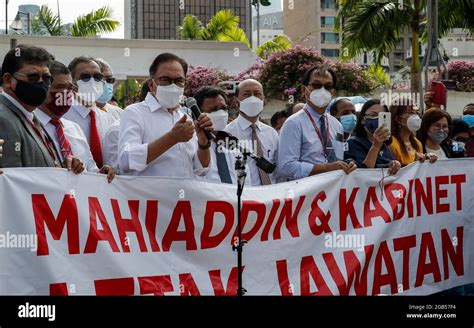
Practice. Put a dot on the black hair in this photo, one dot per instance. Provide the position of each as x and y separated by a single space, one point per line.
144 91
459 126
25 54
277 116
57 68
165 58
333 108
321 69
209 92
360 128
79 60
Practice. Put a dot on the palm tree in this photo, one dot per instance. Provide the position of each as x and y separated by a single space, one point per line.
223 26
377 26
94 23
279 43
91 24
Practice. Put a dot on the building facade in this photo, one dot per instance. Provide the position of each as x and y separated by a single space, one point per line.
158 19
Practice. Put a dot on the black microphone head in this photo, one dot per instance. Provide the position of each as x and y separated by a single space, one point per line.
190 102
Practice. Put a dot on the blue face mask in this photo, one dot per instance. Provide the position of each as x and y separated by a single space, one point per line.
348 122
107 95
371 124
469 119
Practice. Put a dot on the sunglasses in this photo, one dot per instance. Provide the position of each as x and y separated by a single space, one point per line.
327 86
86 77
35 77
110 80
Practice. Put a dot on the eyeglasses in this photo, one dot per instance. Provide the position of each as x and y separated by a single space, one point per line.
317 85
110 80
166 80
35 77
86 77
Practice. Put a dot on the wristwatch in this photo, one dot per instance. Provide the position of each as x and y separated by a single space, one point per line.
204 147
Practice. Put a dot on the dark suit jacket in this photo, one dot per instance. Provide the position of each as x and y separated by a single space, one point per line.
22 147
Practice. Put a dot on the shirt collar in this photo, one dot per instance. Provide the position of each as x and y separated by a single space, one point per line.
152 102
28 115
82 110
244 124
42 117
312 112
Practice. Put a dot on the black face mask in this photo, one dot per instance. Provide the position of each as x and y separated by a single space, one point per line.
33 94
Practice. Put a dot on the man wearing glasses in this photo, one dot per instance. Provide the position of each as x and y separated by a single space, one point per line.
311 141
89 83
156 138
103 101
27 81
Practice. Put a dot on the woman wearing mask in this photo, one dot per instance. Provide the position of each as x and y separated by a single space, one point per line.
368 145
405 146
434 132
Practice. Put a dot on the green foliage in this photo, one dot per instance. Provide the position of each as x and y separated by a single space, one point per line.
94 23
279 43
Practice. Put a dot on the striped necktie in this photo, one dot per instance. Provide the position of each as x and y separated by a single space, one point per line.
63 141
264 177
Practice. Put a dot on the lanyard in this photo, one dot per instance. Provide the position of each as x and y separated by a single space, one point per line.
318 132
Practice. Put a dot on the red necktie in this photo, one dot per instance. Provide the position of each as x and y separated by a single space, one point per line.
63 142
96 148
36 125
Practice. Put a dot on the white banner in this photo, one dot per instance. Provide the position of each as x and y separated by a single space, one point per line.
333 234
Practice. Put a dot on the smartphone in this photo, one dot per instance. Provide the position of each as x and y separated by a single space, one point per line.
385 119
440 91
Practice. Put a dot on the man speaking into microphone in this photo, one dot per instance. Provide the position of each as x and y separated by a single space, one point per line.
156 138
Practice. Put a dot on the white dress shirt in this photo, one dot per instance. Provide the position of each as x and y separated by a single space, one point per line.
300 146
28 115
80 115
111 146
241 128
143 123
213 173
114 111
77 139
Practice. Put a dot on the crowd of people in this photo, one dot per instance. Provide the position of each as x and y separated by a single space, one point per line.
53 115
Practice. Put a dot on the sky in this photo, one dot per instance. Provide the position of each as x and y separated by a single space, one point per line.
69 10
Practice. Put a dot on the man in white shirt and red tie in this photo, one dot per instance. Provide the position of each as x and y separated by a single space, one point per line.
94 123
254 135
67 136
156 138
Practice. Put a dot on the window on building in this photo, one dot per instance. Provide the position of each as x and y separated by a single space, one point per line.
327 21
329 37
330 52
328 4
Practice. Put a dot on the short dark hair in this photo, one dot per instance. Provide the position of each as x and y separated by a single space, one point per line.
165 58
321 69
209 92
277 116
79 60
25 54
459 126
360 128
333 106
58 68
144 91
431 116
464 110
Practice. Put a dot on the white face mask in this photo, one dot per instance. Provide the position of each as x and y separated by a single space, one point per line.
251 106
89 91
168 96
320 97
219 119
414 123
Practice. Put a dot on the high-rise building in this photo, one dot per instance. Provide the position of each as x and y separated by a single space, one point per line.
271 26
158 19
311 23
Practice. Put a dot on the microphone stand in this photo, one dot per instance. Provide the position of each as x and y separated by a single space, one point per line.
238 246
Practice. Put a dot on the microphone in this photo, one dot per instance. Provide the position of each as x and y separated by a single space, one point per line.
231 142
191 103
